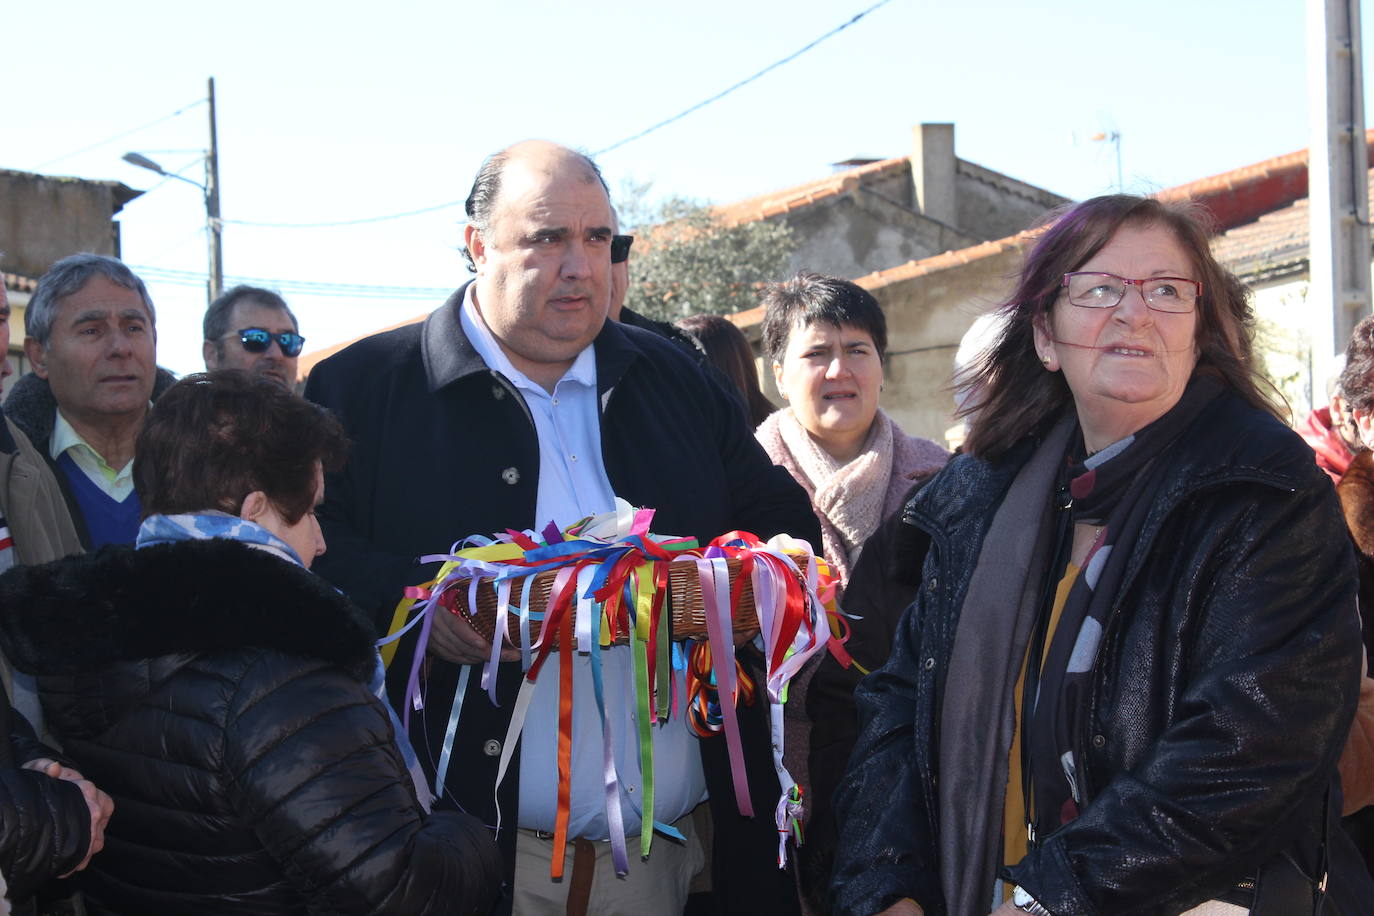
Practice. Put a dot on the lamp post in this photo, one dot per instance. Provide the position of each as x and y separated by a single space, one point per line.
213 224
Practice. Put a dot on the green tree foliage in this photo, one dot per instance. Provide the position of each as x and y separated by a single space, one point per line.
687 261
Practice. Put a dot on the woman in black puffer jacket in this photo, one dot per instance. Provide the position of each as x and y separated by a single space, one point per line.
220 693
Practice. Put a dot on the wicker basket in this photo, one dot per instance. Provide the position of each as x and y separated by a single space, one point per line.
688 619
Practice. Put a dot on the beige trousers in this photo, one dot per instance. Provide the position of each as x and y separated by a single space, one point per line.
659 885
1216 908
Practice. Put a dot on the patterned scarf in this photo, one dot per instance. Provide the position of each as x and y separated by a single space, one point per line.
169 529
1114 489
848 496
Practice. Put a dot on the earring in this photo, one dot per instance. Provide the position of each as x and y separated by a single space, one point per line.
1045 360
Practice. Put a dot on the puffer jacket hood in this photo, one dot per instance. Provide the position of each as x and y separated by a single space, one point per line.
139 615
122 604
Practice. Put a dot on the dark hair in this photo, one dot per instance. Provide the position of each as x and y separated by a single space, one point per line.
215 437
1013 394
728 350
486 187
808 298
1357 378
216 323
68 277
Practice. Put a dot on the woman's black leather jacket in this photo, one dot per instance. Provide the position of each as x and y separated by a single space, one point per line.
1223 689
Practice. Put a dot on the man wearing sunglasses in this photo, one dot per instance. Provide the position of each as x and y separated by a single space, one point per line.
252 329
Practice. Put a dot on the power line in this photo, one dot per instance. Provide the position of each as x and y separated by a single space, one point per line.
619 143
304 287
86 149
744 82
344 222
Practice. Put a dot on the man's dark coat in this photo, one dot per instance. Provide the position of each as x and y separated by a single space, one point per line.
444 447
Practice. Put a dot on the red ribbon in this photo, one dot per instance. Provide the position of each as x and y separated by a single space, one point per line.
565 701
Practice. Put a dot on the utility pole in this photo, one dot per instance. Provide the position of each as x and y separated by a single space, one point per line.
214 225
1338 166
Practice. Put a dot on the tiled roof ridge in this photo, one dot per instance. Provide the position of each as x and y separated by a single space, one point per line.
772 203
1198 190
993 178
1287 169
1232 179
912 269
945 260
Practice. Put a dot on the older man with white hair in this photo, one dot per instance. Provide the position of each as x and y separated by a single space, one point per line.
90 335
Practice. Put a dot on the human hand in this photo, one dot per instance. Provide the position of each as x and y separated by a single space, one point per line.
904 907
1005 909
54 769
453 638
100 806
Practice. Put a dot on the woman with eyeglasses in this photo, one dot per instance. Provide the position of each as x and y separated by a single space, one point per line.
1134 655
222 694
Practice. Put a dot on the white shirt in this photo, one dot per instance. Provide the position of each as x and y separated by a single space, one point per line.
573 485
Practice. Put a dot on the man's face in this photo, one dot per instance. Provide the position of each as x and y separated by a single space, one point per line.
543 265
101 355
228 352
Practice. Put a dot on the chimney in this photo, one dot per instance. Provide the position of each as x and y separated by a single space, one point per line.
933 172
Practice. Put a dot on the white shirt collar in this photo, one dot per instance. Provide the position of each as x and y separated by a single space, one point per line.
582 371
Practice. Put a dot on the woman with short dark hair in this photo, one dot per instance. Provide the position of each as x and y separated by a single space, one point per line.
220 692
1133 655
826 340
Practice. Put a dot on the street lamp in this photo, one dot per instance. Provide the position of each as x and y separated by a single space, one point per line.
213 223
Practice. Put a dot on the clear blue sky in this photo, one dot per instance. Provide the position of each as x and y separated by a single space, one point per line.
346 110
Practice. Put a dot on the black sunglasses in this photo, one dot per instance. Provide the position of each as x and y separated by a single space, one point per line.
620 248
257 340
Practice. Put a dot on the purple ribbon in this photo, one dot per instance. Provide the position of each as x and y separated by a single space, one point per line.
715 592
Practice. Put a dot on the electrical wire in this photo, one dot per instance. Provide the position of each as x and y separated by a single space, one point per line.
304 287
120 136
344 222
619 143
744 82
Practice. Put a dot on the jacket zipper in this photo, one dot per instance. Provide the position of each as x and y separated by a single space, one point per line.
940 544
1082 765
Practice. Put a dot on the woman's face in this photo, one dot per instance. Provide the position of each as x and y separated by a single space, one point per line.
1127 365
304 536
831 377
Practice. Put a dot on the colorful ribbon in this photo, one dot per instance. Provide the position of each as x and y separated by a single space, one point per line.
611 581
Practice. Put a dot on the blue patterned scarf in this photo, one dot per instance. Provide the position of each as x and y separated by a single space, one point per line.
168 529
